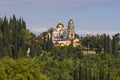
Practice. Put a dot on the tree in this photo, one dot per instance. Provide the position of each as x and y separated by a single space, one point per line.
108 45
115 43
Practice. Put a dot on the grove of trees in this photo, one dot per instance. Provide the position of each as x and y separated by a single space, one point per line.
47 62
46 67
102 43
15 38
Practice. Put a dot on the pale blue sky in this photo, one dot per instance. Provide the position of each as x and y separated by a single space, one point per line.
89 16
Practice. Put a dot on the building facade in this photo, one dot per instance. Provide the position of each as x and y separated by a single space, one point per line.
65 37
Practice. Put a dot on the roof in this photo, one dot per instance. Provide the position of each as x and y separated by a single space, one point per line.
60 25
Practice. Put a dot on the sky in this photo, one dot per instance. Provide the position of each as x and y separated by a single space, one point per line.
89 16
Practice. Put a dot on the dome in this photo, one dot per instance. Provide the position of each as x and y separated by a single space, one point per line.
60 25
70 21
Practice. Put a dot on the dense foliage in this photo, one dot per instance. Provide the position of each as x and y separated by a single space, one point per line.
45 67
47 62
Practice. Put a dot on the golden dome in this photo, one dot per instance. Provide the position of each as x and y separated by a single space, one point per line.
70 21
60 25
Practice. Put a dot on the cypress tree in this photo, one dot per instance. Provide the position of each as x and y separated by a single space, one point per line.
1 35
114 45
108 75
5 31
108 44
75 74
80 72
44 41
23 24
101 75
15 37
90 74
5 37
48 43
51 42
86 71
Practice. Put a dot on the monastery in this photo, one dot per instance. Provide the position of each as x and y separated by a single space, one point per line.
65 37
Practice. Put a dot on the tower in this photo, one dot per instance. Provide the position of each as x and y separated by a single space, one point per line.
71 32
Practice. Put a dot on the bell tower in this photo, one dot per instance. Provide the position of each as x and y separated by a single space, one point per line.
71 32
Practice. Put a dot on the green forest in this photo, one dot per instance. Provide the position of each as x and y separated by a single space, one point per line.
48 62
